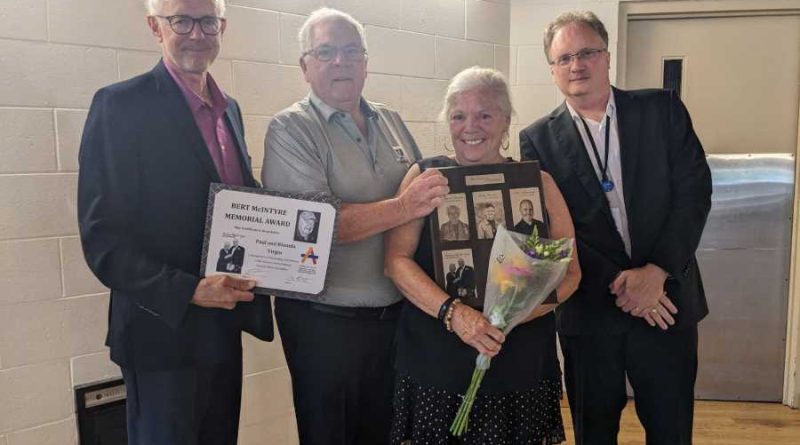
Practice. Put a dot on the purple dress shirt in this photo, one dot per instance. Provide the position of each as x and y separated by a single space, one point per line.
210 120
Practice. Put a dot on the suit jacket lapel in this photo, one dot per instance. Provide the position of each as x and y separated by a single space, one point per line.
629 131
235 126
567 136
177 109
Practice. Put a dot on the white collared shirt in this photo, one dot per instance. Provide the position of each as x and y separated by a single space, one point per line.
616 197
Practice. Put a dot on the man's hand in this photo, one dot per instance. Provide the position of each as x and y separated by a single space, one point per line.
640 292
425 193
475 330
222 291
640 289
661 314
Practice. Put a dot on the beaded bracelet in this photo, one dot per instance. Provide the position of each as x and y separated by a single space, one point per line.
444 307
448 318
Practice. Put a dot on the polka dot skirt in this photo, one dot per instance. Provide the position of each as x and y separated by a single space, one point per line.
423 415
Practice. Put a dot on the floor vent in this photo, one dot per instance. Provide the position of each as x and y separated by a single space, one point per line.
100 410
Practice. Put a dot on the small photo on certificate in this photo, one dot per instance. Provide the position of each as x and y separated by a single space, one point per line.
231 255
307 226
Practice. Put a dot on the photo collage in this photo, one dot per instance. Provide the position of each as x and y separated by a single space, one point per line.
463 228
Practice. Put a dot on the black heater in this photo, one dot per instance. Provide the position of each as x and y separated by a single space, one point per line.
100 409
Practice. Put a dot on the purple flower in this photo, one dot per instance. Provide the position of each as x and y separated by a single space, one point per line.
517 271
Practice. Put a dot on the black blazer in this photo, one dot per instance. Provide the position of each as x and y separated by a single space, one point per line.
143 188
466 278
667 185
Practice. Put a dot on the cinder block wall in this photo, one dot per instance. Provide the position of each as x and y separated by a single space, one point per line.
54 54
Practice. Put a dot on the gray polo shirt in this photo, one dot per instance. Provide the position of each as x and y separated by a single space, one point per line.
312 147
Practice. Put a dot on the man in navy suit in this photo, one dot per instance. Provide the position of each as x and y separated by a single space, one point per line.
635 179
151 147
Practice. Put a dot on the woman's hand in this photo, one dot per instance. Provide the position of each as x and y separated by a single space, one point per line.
475 330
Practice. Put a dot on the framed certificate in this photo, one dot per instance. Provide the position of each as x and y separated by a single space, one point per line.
283 241
481 198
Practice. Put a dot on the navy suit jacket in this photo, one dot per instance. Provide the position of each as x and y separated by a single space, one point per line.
143 188
667 185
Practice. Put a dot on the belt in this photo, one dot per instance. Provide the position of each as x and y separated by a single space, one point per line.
370 313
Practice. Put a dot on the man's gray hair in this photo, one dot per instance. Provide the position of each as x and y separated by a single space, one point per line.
587 18
474 78
154 6
305 215
327 15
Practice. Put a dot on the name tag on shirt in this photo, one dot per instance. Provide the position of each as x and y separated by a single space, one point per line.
400 156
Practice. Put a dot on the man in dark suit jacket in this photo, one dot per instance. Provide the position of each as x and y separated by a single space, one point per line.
450 281
465 282
526 222
638 213
237 257
225 257
151 147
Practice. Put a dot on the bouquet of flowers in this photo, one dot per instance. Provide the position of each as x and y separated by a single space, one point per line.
523 271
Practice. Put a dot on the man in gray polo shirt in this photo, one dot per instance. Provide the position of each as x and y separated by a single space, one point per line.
339 350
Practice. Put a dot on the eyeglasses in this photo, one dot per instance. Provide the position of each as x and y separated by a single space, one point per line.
326 53
582 55
184 24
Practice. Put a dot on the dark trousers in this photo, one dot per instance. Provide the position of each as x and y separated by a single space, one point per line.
661 367
342 374
188 406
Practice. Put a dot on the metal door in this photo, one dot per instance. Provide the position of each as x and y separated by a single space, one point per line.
739 77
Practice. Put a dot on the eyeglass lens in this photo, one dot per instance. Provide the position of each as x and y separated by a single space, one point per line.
183 24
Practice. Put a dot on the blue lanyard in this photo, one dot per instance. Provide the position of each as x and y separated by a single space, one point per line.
605 183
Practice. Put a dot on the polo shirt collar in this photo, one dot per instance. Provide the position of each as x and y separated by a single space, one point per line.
328 111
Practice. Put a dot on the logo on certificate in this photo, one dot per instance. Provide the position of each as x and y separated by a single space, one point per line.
309 255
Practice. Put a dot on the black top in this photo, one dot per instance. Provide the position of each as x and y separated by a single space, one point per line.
437 358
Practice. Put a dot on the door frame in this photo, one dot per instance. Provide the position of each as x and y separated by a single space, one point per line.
649 9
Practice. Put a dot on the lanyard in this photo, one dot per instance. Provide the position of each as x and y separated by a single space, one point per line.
605 183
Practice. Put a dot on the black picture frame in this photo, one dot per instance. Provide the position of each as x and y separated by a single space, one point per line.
483 186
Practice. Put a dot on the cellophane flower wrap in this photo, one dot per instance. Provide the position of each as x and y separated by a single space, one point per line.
523 271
